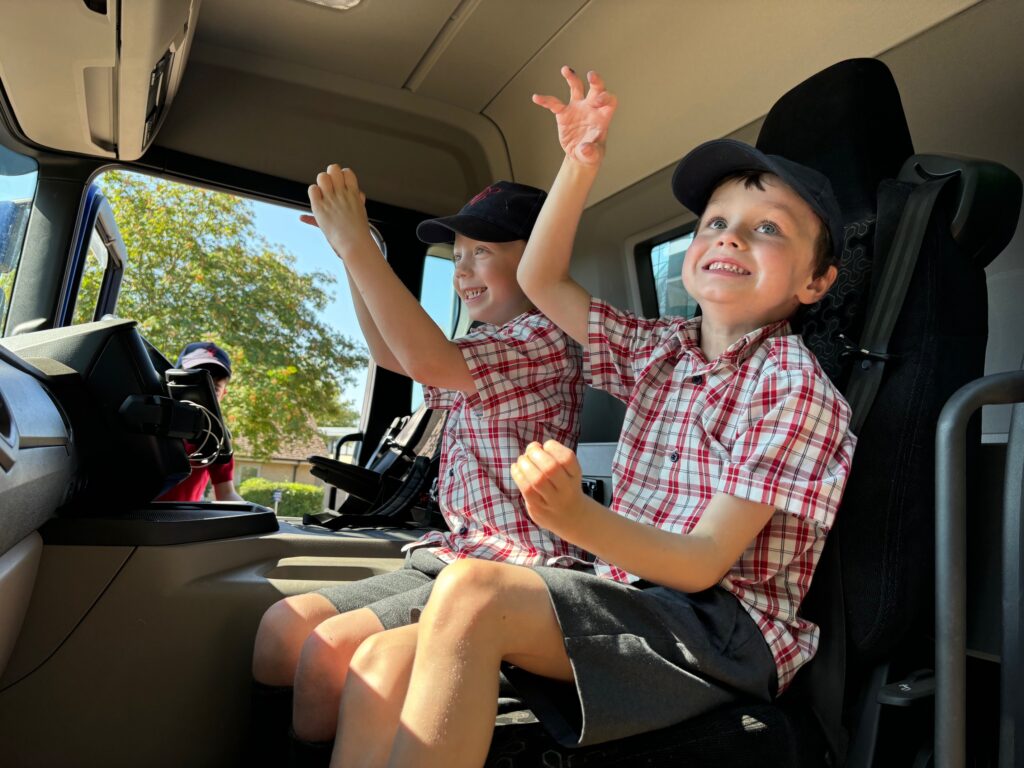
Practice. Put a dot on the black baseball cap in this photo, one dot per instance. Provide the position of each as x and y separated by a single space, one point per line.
204 354
503 212
698 174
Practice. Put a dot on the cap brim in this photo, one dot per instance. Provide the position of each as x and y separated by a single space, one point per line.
443 230
203 362
699 172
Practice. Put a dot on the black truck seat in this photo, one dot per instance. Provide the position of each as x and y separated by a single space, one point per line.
872 589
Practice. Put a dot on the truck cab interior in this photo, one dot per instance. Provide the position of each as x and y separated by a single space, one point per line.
126 628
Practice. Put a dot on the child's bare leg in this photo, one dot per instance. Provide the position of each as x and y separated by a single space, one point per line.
371 701
282 631
479 614
322 668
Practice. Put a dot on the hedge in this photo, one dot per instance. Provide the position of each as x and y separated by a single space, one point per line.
297 499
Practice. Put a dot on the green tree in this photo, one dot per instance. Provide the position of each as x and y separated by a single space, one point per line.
199 271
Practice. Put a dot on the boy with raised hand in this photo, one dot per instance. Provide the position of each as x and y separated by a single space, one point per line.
732 458
513 380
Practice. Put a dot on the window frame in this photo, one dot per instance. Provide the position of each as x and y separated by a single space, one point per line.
15 163
97 215
642 249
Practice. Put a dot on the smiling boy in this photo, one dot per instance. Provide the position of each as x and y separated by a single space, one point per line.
733 455
514 379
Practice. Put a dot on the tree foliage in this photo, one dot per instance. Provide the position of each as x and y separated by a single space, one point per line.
199 271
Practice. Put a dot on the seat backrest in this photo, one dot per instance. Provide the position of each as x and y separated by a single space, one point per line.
848 122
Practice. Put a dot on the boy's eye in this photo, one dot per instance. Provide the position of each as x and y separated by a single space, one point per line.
768 228
716 223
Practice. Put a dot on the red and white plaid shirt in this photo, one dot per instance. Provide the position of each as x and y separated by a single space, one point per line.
529 383
761 422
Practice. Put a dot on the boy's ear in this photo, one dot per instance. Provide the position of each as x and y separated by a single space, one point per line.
819 286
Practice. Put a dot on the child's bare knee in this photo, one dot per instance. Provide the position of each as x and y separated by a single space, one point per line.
282 630
371 657
274 639
327 650
468 591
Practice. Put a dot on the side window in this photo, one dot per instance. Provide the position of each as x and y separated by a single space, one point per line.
96 260
17 188
202 265
102 260
438 299
667 268
659 272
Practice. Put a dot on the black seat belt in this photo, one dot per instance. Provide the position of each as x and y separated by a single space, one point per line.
828 680
887 300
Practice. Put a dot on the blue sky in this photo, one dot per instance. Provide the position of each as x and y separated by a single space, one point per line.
17 187
281 226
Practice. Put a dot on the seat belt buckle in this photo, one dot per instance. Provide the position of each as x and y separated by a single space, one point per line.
852 350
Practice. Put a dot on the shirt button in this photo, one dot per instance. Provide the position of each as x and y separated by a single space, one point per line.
698 379
451 473
463 531
673 457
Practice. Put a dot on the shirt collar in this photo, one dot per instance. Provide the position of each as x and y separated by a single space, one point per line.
738 351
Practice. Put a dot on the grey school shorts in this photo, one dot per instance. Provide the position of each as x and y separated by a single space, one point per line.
643 658
391 596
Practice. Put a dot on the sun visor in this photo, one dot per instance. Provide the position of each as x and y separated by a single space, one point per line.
93 76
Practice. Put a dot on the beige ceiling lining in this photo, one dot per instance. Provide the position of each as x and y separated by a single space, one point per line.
421 158
379 41
437 48
726 73
492 46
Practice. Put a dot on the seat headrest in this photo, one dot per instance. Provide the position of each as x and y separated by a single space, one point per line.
988 201
847 121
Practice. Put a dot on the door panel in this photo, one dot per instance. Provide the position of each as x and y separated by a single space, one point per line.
158 670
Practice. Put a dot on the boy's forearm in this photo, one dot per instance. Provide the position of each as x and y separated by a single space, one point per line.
379 350
687 562
544 270
417 344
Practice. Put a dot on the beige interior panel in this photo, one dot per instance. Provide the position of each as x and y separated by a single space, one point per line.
149 29
489 48
18 567
376 42
70 581
291 123
80 81
164 656
691 71
58 115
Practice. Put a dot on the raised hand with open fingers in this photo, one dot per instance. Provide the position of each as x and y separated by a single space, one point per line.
583 122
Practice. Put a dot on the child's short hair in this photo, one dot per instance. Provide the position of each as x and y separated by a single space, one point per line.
824 254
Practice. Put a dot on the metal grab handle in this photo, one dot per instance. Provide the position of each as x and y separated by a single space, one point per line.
951 561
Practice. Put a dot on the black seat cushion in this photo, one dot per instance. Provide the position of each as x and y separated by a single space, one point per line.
738 736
